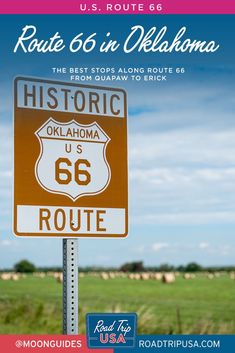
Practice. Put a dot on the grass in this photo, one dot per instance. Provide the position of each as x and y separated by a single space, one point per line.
198 306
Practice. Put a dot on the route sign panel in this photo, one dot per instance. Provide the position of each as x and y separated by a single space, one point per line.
70 160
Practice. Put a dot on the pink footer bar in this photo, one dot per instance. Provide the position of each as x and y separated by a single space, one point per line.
117 7
47 344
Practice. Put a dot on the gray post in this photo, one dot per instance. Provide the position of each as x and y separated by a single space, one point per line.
70 286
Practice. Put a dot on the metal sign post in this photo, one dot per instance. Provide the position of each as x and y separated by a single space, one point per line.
70 286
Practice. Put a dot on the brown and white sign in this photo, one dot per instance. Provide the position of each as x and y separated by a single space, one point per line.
70 160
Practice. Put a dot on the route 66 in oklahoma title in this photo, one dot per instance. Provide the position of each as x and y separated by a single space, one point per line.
70 160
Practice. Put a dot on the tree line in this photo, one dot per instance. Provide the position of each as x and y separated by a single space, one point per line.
25 266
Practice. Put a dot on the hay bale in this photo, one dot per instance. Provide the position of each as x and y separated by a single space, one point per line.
5 276
112 275
232 276
144 276
41 275
104 276
210 276
168 277
187 276
15 277
158 276
59 279
137 276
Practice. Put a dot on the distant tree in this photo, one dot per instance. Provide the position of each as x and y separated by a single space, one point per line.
133 267
24 266
193 267
180 268
166 268
49 269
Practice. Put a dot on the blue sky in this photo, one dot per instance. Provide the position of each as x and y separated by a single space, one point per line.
181 145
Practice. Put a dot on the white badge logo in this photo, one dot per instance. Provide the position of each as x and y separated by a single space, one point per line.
72 159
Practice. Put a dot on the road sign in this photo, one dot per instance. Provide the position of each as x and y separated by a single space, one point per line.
70 148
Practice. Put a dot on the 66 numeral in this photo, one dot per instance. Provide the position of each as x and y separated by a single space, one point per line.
65 174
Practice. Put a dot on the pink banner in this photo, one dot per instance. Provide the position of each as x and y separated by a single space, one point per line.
47 344
118 7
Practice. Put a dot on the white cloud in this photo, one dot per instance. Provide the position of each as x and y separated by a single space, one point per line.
226 250
141 249
6 145
204 245
6 174
159 246
175 106
187 218
182 147
182 177
6 243
187 175
190 248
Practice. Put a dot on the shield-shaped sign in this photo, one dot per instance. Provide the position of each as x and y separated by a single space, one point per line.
72 159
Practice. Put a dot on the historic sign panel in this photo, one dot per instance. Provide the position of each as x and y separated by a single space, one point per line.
70 177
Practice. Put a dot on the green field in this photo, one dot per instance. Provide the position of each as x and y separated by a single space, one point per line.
201 305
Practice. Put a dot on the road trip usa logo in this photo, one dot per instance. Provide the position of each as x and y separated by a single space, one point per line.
111 330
